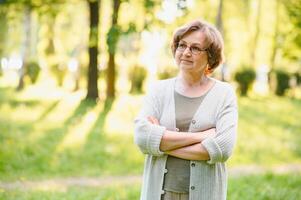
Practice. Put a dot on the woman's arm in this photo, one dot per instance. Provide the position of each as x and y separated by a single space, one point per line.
220 147
172 140
192 152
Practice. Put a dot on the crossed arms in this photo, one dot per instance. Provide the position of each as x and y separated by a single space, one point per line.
183 144
213 145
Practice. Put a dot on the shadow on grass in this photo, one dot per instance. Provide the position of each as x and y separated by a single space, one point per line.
84 106
33 157
101 154
48 111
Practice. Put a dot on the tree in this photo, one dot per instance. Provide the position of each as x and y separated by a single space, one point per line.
275 44
112 40
48 8
293 50
257 33
219 25
93 50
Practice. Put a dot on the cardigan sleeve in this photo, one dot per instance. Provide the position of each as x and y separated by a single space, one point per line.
147 136
221 146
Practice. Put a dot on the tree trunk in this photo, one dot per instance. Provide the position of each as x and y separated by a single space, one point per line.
257 33
219 17
93 50
25 47
113 34
219 25
275 39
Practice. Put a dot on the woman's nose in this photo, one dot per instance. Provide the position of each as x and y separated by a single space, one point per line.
187 52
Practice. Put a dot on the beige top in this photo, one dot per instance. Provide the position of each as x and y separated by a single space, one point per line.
178 170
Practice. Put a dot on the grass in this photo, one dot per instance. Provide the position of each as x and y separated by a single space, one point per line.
62 137
259 187
53 133
79 193
268 131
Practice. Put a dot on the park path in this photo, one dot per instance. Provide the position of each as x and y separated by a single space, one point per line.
108 181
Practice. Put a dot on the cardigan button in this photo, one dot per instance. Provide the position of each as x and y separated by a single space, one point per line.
192 164
165 171
162 192
192 187
193 121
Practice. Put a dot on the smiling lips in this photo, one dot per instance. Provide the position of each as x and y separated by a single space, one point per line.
187 61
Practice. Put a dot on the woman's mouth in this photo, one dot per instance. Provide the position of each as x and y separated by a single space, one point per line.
186 62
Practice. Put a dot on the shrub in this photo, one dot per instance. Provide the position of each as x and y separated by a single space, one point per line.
167 72
137 75
245 78
282 79
59 71
298 77
32 71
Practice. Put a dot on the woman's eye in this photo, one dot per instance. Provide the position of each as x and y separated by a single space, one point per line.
182 46
196 49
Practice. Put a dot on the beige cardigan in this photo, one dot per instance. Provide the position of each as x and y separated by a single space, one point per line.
208 179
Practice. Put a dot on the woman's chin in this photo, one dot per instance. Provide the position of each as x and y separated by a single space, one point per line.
186 67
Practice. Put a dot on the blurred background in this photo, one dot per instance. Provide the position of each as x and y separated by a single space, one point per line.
73 75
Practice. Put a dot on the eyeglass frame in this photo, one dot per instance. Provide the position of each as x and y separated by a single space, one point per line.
190 50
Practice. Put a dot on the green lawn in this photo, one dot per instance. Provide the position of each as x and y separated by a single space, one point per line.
52 133
258 187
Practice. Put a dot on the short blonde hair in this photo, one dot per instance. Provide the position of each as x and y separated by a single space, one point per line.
214 41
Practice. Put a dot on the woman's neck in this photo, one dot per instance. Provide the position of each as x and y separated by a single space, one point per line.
192 80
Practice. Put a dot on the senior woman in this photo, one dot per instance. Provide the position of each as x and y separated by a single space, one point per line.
187 125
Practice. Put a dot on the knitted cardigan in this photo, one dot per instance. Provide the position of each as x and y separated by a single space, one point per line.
208 179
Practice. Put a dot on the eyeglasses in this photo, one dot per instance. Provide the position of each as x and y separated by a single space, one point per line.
193 49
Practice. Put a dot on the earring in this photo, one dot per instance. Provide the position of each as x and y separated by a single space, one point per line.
208 70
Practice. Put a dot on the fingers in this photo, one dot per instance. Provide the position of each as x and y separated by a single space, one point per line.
156 121
153 120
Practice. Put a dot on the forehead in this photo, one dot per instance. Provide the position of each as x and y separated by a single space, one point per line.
195 37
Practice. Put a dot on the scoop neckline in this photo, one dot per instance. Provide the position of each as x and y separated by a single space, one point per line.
215 82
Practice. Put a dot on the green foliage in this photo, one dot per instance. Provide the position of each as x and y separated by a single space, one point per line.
131 29
167 72
32 71
112 38
245 78
59 71
293 8
298 77
3 31
280 81
137 75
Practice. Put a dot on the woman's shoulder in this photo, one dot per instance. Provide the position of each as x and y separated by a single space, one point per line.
224 88
161 85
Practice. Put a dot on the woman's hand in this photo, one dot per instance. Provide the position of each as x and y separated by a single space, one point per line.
153 120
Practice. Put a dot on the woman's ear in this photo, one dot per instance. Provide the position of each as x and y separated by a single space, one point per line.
208 70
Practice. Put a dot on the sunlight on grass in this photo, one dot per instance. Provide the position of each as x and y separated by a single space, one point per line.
60 113
121 116
65 136
267 131
76 136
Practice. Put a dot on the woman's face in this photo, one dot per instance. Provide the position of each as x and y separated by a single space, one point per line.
195 61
